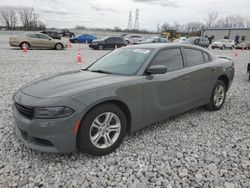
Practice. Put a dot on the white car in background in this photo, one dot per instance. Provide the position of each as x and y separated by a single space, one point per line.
223 44
180 40
131 39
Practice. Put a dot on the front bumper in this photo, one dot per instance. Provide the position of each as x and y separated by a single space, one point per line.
216 46
47 135
93 45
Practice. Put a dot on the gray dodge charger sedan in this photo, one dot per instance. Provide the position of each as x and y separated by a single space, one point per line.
92 109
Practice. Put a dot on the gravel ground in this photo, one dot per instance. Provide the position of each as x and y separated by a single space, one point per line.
196 149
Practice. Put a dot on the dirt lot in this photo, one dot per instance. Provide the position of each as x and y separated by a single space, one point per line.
196 149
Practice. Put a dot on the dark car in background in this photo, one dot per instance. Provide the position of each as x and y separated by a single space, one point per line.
108 42
84 38
155 39
67 33
244 45
52 34
199 41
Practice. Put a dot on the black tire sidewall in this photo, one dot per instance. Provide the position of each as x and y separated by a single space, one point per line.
211 104
27 44
60 45
83 140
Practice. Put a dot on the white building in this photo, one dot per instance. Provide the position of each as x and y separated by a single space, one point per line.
236 34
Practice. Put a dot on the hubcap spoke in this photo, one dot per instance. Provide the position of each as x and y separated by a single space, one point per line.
114 128
97 137
108 118
107 140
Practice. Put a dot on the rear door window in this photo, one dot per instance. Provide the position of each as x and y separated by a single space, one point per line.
33 36
171 58
194 57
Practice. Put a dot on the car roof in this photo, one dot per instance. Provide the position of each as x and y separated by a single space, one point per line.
158 46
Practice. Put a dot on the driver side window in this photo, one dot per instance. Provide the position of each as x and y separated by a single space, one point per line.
171 58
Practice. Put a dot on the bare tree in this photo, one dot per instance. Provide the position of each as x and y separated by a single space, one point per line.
231 21
247 22
9 17
166 27
211 19
28 18
194 27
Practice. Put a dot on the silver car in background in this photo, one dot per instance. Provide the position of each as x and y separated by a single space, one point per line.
133 38
126 90
223 44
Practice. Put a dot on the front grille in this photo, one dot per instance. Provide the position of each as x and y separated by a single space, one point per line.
25 110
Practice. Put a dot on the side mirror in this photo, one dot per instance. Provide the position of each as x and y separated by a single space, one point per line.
157 69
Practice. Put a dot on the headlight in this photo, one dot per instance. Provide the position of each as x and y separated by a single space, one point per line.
52 112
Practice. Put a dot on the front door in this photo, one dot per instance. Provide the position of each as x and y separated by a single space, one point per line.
165 94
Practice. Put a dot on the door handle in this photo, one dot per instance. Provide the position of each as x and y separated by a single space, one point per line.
186 77
213 69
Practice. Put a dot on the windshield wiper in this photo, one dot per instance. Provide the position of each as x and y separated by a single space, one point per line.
101 71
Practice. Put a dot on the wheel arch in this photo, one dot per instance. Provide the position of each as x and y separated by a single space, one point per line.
122 105
225 79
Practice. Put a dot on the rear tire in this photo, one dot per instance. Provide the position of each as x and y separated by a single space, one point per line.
102 130
100 47
218 96
25 44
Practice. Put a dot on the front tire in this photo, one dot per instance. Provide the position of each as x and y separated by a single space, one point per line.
102 130
59 46
218 96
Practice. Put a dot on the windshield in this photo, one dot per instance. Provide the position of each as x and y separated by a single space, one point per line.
126 61
221 40
103 38
190 40
152 39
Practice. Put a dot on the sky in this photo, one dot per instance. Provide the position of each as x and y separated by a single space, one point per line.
111 13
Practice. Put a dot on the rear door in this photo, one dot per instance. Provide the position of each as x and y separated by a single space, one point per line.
166 94
201 76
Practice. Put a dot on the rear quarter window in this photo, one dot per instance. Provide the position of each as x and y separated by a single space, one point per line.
206 57
194 57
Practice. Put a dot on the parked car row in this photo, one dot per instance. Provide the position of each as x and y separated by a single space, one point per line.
51 39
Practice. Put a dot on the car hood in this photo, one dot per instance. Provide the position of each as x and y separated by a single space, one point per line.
70 83
217 42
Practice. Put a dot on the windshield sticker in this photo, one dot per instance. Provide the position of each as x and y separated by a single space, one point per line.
142 51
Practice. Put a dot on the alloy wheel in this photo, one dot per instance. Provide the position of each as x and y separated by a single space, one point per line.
219 95
105 130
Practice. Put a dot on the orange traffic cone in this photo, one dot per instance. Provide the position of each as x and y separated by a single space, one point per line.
69 45
79 58
236 54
